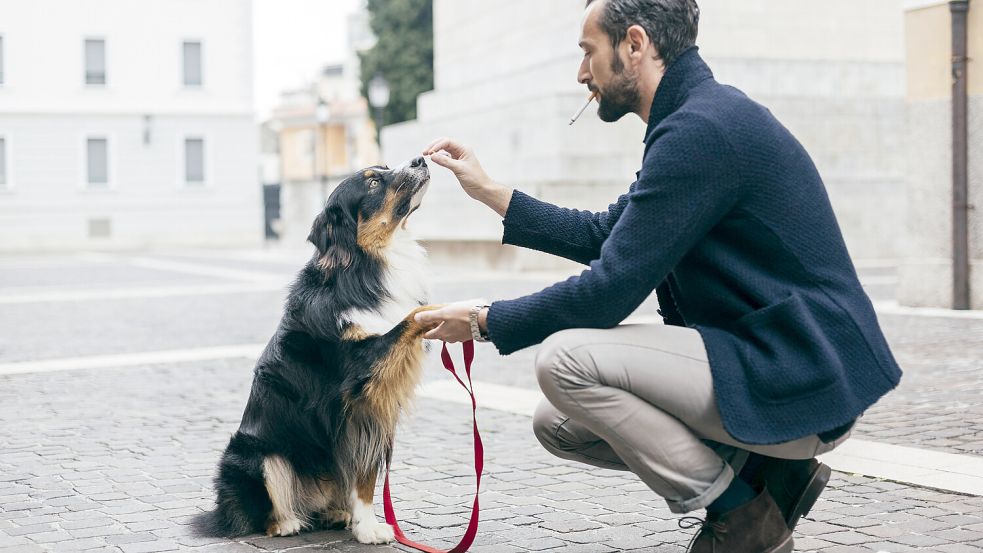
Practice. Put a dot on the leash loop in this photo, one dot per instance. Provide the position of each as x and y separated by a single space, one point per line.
479 461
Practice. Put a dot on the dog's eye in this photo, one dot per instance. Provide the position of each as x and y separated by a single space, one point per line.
374 183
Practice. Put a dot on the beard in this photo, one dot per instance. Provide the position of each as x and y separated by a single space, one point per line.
619 97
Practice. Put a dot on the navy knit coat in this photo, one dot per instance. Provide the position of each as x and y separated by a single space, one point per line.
730 223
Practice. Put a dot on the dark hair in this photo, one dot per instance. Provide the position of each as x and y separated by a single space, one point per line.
671 24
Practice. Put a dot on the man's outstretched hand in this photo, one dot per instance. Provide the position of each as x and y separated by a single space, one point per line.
474 181
452 320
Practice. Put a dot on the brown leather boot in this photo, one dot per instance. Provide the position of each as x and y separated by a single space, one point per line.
795 485
755 527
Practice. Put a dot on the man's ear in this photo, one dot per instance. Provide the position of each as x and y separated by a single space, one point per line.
637 40
334 235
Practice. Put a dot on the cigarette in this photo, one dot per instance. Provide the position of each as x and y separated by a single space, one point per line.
587 103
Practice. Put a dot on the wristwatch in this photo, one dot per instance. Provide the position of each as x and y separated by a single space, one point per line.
476 333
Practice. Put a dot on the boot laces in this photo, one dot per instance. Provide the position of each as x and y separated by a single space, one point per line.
714 529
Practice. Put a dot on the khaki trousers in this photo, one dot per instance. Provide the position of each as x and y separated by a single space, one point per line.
640 398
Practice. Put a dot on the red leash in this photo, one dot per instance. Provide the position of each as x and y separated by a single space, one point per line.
479 461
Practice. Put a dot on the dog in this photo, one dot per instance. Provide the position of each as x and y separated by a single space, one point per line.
328 389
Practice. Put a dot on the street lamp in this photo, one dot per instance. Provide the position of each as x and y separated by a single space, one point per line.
378 99
321 114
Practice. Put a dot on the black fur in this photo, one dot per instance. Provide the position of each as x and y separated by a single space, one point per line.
308 375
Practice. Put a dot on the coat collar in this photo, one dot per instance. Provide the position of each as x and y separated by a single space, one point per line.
686 72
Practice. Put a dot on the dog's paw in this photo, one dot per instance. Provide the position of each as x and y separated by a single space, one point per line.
420 328
336 519
373 532
284 527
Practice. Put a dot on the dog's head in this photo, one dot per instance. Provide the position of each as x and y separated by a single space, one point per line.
366 209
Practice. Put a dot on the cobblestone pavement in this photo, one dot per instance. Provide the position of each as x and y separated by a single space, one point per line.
119 459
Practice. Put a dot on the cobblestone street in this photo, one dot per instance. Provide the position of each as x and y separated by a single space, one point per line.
116 398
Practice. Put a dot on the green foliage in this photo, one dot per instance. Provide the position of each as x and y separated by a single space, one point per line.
403 53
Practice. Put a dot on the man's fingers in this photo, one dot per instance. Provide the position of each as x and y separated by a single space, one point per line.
446 161
446 144
434 333
428 317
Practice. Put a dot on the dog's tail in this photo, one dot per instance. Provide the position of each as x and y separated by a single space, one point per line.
242 505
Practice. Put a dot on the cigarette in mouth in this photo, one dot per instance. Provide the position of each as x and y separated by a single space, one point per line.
581 110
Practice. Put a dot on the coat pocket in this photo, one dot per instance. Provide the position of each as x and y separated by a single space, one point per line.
787 355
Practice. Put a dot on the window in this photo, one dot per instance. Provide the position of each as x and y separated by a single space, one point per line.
3 162
191 52
97 162
95 61
194 161
1 60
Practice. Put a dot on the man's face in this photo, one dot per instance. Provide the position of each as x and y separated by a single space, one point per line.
604 71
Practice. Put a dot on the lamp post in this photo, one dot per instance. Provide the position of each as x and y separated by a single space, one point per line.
378 99
321 114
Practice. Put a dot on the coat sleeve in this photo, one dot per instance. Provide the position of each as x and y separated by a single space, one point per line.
688 183
569 233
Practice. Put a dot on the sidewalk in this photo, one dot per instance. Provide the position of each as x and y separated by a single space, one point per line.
122 377
118 459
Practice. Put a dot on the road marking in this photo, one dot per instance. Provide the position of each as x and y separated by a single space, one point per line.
40 295
207 270
250 351
920 467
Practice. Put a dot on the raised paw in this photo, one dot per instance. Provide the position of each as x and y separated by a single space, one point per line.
418 327
284 527
373 532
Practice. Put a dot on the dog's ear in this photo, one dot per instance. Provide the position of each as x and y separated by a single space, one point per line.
334 235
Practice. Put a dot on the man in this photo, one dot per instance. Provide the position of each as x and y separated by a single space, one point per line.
771 350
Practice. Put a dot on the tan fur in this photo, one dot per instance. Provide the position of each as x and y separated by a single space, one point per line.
366 488
281 484
294 497
375 233
395 376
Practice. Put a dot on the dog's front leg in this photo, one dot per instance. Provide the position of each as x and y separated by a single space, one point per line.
365 527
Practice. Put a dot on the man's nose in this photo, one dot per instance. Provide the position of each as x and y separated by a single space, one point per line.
583 73
418 162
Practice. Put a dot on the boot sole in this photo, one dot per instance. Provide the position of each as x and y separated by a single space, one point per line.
809 496
784 547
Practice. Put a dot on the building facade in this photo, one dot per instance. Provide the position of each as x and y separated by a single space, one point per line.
127 125
926 275
325 132
831 70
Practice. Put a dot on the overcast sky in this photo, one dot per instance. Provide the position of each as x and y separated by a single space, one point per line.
292 40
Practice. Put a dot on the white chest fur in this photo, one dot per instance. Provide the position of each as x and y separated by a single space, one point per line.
407 282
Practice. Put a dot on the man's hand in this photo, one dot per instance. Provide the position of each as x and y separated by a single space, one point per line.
465 166
452 320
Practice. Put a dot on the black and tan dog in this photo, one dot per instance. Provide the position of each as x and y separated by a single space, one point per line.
329 387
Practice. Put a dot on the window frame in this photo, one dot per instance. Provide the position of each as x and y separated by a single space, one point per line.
182 166
110 163
85 62
201 63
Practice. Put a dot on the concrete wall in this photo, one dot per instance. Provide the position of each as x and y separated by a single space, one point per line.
832 71
144 109
926 274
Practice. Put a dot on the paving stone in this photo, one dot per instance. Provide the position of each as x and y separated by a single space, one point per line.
114 456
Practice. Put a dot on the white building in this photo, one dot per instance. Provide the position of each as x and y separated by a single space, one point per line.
505 83
127 124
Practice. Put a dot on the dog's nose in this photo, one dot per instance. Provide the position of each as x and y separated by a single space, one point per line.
418 162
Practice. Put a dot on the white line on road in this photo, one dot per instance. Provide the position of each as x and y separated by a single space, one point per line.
944 471
39 295
931 469
207 270
132 359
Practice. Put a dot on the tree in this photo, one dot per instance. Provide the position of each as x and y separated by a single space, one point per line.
403 53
